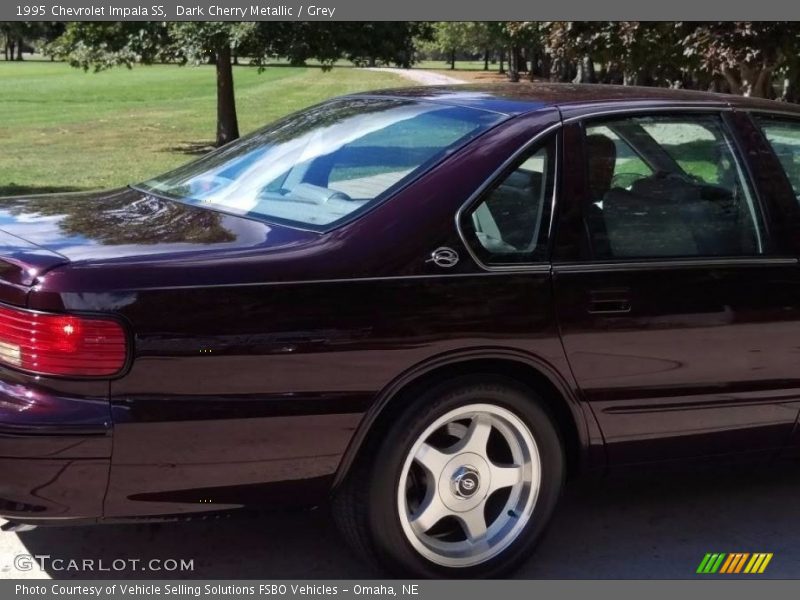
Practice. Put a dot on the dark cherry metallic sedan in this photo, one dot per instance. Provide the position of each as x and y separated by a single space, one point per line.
432 305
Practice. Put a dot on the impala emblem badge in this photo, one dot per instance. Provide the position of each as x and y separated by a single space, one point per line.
444 257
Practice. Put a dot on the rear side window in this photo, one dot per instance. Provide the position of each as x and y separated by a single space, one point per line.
510 223
667 186
784 137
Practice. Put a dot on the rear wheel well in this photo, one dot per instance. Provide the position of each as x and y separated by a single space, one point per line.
518 372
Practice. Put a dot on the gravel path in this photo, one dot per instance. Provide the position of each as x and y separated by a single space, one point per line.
420 76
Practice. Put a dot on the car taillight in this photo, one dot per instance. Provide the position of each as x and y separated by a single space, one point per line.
50 344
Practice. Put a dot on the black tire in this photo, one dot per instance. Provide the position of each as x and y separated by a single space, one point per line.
366 504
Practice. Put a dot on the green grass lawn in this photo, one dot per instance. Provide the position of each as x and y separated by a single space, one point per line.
63 129
461 65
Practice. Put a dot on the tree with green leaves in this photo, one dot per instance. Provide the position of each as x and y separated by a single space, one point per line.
12 34
747 54
100 45
382 42
451 37
16 36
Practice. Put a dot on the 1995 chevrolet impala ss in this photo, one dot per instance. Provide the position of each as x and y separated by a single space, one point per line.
431 305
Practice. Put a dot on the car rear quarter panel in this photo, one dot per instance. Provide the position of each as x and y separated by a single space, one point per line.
274 391
253 380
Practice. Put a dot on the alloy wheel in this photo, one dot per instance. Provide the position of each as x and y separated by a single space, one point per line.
468 485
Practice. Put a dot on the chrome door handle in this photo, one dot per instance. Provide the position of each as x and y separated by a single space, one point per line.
611 301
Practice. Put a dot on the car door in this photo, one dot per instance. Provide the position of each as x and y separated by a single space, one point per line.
678 312
780 151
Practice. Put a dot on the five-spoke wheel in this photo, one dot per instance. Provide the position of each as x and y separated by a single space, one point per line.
469 485
458 482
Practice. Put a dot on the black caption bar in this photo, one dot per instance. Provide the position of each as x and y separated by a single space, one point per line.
408 10
389 589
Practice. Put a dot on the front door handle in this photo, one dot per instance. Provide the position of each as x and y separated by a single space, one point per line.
609 301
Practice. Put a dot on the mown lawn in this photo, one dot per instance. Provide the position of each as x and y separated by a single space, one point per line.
63 129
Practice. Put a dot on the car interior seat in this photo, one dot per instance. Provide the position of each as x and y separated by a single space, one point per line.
511 213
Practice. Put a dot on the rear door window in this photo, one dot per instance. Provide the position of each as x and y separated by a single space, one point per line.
667 186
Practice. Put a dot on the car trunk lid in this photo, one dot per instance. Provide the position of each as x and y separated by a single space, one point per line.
21 262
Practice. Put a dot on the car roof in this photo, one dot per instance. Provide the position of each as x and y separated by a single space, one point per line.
523 97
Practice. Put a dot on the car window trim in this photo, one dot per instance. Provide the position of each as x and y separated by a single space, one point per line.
671 263
779 114
646 110
762 206
477 195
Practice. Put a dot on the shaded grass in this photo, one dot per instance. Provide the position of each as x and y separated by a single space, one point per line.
63 129
32 190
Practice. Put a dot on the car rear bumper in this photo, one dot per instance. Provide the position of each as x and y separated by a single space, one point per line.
55 448
43 489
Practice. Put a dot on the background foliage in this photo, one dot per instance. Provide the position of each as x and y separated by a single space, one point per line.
740 57
65 125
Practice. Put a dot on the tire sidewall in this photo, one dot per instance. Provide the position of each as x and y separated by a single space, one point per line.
390 542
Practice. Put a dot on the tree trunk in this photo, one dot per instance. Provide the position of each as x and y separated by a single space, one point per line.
227 124
452 59
521 64
486 59
539 64
762 88
733 81
513 65
590 70
532 64
502 68
559 69
19 49
585 71
791 82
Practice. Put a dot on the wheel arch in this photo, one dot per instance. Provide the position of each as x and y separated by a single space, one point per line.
525 369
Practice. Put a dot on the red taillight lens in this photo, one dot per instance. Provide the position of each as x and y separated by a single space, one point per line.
60 344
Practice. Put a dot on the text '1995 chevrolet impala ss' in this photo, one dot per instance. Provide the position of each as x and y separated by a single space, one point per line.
431 306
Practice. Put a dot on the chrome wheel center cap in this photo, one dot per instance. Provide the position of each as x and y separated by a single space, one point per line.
465 482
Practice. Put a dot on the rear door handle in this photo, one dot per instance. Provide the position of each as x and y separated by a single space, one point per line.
609 301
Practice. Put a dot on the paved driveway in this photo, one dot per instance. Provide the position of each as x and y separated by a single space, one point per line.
651 526
420 76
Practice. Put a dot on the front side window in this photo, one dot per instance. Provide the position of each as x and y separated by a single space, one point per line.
324 165
667 186
509 224
784 137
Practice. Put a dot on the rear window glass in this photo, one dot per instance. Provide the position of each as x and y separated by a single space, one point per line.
326 164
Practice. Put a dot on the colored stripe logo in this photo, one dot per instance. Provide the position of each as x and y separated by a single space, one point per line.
734 563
